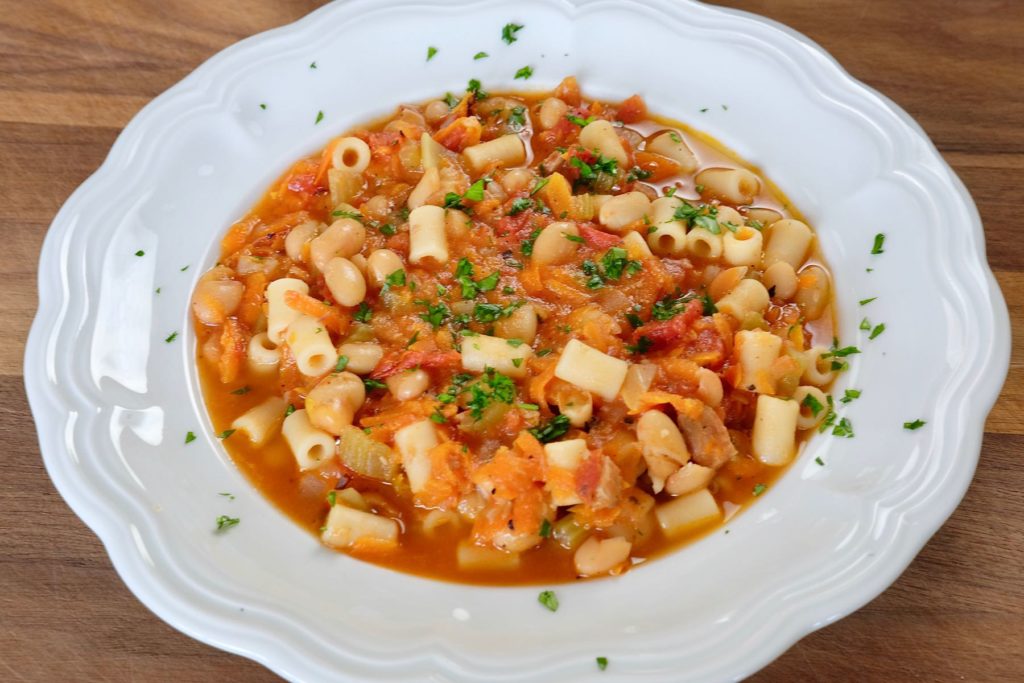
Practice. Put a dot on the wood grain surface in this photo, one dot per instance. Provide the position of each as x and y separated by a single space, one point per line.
73 72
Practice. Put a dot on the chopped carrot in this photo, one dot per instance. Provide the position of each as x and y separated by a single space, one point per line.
326 160
460 133
252 299
233 342
334 320
658 166
238 235
539 383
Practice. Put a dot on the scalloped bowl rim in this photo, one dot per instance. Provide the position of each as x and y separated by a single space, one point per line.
255 643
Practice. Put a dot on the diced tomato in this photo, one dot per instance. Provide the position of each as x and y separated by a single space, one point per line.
662 333
411 359
598 239
384 143
633 109
304 183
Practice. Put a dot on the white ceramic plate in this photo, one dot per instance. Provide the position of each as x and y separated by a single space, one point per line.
113 401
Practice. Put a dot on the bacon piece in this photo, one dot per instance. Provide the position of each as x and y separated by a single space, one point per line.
598 239
662 333
412 359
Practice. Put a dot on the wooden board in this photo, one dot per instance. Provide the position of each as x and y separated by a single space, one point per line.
72 73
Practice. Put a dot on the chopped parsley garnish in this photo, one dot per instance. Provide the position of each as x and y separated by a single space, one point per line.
451 100
590 171
229 496
395 279
372 384
865 302
475 193
341 364
493 387
643 345
705 216
140 253
614 263
344 213
819 461
437 418
877 330
668 306
759 489
312 65
289 410
527 245
183 268
573 238
545 529
514 343
263 105
474 87
850 395
224 522
813 404
412 339
843 429
241 391
602 663
189 437
519 205
488 313
865 324
363 313
457 387
916 424
481 55
580 121
539 186
876 248
830 416
549 600
508 33
387 229
517 118
319 117
544 352
555 428
436 314
171 337
431 51
464 272
524 72
332 498
226 433
637 173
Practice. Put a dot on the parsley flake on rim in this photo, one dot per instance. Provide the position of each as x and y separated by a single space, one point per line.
602 663
916 424
524 73
224 523
431 51
508 33
549 600
319 117
876 248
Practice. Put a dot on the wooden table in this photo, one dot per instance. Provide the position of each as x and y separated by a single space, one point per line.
73 72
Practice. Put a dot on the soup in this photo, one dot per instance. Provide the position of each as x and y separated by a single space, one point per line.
516 338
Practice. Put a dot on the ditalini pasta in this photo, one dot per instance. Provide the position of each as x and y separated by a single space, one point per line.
518 338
